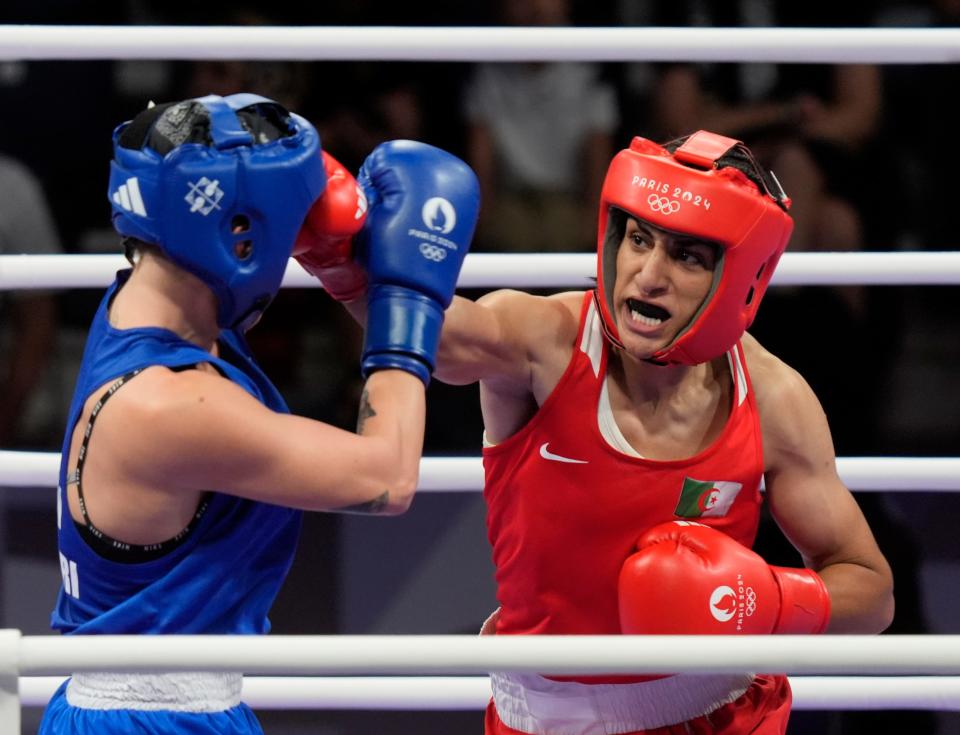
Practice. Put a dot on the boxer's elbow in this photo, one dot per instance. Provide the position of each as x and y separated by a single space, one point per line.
394 479
885 616
884 608
862 600
378 496
885 605
876 619
400 495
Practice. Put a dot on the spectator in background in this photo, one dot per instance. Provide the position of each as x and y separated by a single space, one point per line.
29 317
814 126
539 138
377 102
287 82
925 189
811 124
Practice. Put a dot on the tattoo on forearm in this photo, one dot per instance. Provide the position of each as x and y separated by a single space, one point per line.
371 507
366 411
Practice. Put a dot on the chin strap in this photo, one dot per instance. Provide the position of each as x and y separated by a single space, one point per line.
604 327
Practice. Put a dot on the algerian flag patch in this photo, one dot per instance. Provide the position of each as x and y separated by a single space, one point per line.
705 499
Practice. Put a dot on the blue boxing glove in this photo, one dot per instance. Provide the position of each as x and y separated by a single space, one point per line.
423 205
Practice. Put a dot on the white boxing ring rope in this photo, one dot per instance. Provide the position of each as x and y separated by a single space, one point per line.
456 693
466 656
465 474
31 666
409 43
535 270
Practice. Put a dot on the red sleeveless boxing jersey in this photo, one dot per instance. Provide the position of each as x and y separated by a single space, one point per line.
565 507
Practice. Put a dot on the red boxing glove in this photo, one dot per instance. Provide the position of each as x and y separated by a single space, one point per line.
324 245
687 578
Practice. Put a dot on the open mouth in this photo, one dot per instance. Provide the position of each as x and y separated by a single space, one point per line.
649 315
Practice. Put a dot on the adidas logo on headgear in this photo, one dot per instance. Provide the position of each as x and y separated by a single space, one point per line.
128 197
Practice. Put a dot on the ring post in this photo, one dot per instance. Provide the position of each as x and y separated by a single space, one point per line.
9 681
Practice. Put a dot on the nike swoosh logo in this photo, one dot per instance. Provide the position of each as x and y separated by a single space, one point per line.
546 454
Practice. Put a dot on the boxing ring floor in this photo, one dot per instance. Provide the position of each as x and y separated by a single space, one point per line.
447 672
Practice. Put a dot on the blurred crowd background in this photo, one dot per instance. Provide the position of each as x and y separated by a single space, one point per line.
867 153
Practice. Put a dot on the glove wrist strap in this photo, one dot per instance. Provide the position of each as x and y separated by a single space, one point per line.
804 601
403 331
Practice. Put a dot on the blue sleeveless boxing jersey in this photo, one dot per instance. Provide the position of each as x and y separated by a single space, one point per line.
226 574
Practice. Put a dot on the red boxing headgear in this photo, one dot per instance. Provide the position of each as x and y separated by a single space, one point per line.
685 192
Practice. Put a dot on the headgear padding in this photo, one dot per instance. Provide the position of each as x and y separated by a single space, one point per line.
221 185
687 192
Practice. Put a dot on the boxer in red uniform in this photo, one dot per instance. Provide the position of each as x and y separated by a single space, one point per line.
627 431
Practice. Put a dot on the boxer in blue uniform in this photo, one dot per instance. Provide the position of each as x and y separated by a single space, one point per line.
183 475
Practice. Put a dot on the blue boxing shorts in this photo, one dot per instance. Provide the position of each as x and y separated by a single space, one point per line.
149 704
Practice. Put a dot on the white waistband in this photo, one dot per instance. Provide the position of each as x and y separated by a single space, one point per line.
195 691
532 704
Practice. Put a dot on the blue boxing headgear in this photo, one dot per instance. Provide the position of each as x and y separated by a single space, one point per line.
221 185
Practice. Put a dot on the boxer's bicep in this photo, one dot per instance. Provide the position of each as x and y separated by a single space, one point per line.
494 338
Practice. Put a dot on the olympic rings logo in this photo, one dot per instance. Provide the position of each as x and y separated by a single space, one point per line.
432 252
751 602
663 205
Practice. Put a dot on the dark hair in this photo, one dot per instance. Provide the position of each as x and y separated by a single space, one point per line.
134 249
